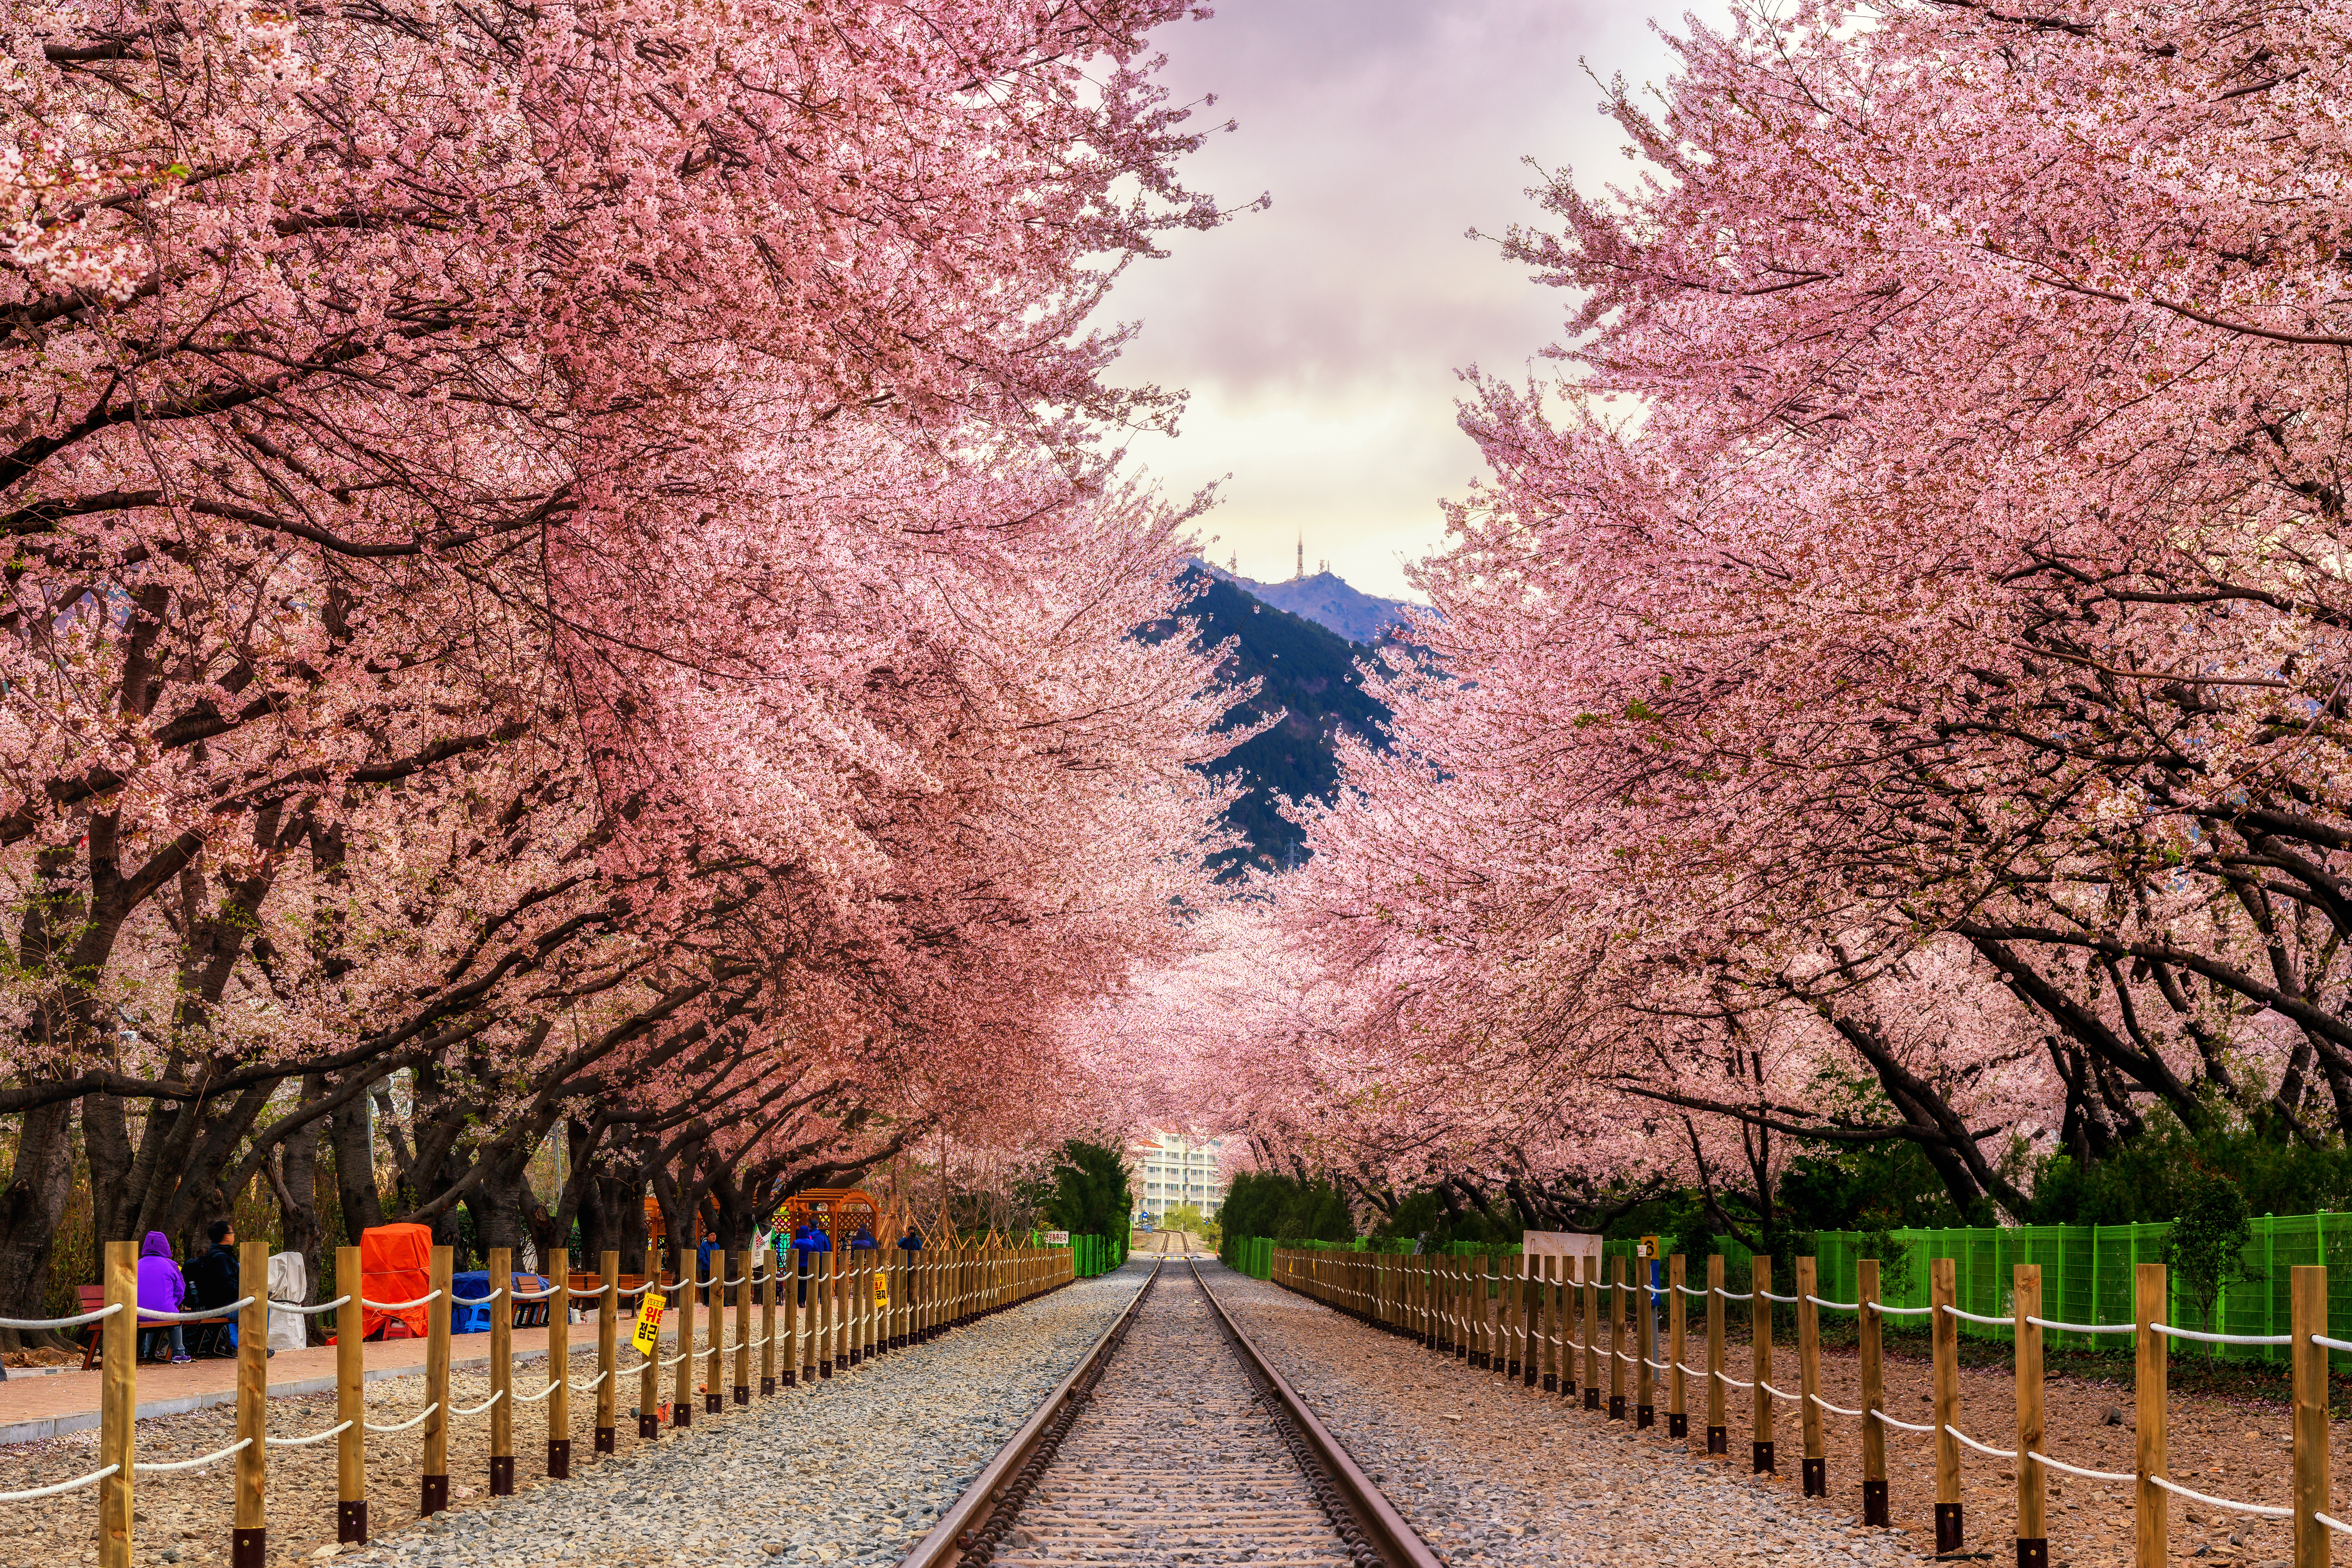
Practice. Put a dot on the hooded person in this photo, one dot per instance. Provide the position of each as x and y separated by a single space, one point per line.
163 1288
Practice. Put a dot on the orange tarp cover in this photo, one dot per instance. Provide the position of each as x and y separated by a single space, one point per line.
395 1264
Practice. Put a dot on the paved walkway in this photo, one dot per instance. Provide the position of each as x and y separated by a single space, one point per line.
32 1409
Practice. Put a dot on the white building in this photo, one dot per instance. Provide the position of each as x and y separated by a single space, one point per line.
1172 1169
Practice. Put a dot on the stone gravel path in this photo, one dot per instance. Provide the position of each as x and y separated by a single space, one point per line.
854 1471
1493 1472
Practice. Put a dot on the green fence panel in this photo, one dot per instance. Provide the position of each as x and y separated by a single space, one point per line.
2087 1274
2086 1277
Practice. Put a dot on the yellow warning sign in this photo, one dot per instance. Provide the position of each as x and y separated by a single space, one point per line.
648 1332
882 1288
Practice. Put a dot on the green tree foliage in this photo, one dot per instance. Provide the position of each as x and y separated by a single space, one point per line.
2211 1230
2154 1177
1286 1209
1089 1196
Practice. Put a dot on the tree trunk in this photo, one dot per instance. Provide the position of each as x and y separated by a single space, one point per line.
355 1186
31 1208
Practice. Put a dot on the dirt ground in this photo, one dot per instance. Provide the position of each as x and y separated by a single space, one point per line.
2232 1446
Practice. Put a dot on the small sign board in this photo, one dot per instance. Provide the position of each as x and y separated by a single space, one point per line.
1646 1247
649 1315
1058 1238
881 1288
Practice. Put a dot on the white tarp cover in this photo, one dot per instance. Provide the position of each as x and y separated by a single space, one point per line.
289 1281
1559 1244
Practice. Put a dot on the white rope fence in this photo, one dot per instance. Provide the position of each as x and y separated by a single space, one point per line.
338 1428
61 1488
404 1425
425 1299
34 1325
198 1316
166 1468
2254 1508
2124 1476
1986 1448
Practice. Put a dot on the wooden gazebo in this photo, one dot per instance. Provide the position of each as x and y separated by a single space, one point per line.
838 1212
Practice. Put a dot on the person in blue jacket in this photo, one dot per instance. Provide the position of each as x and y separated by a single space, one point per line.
910 1242
811 1238
862 1241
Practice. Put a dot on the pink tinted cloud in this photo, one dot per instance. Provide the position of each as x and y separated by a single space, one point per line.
1320 338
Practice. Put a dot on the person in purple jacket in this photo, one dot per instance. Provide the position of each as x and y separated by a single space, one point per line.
162 1288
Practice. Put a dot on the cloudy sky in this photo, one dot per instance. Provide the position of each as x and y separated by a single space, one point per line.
1320 338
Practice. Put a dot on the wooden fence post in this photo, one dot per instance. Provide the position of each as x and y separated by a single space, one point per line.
2153 1537
1482 1307
649 1375
1677 1390
1592 1333
2032 1488
1530 1321
1509 1313
795 1303
1944 1335
1538 1289
1418 1320
118 1403
714 1359
1719 1428
1809 1377
248 1532
744 1271
608 1350
1759 1319
501 1311
1617 1340
767 1322
1571 1333
436 1477
1548 1292
559 1364
1457 1310
350 1405
681 1397
2307 1313
1645 1345
1873 1397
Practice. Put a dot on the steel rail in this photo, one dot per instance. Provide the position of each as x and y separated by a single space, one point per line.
943 1547
1396 1542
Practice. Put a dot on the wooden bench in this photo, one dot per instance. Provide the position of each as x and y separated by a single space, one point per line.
91 1298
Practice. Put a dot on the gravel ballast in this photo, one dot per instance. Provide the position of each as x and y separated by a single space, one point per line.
851 1471
1492 1472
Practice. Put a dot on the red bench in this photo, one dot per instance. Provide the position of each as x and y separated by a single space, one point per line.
91 1297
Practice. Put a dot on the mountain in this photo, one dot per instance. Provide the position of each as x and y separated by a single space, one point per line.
1308 674
1325 599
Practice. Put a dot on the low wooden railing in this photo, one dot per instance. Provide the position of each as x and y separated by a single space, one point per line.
1534 1318
860 1305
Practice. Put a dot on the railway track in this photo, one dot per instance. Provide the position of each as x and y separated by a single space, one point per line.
1172 1437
